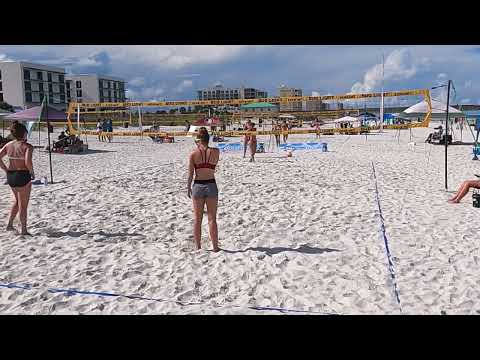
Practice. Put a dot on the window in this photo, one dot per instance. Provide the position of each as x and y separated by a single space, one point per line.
40 75
1 97
49 77
35 86
28 97
0 74
61 78
1 88
26 74
35 97
50 88
79 93
62 98
62 88
41 95
56 88
28 86
68 84
50 99
68 94
78 84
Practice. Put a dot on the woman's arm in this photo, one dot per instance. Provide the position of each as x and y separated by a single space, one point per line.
190 175
28 158
3 152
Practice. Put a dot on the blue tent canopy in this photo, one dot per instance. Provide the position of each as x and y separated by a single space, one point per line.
473 114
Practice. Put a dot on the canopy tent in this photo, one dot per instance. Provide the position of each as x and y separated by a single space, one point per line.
355 122
346 119
39 114
3 114
286 116
438 110
33 114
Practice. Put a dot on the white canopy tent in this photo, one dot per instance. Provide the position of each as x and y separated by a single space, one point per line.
355 122
286 116
438 110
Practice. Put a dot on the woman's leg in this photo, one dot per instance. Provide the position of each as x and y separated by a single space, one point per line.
464 188
23 199
212 203
13 211
198 205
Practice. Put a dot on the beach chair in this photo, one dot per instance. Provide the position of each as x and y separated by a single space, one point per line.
476 198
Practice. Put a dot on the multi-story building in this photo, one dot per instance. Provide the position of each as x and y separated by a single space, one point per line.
95 88
290 92
261 107
220 93
314 105
24 84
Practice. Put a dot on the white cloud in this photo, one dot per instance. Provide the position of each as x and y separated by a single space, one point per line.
4 57
188 75
185 84
466 101
175 57
441 76
399 65
315 93
145 93
468 84
137 81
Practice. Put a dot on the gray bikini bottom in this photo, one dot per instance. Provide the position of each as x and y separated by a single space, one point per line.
204 189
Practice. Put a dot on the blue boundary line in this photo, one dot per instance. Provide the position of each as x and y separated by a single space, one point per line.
391 266
71 292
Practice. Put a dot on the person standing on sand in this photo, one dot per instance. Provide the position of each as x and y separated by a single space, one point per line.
104 130
202 163
253 143
99 130
246 138
109 130
463 190
285 131
276 127
19 173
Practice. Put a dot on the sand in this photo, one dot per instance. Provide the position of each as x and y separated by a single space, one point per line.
301 233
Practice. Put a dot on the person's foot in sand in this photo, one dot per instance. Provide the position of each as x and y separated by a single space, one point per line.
10 228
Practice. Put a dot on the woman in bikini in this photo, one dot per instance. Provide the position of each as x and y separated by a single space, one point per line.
202 163
285 131
19 173
276 127
253 143
246 138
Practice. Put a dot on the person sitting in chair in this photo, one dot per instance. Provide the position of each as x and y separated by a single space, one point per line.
62 141
436 135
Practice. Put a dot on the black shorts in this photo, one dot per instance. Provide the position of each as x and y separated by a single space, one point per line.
18 178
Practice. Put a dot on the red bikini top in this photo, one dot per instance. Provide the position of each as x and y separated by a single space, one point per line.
205 164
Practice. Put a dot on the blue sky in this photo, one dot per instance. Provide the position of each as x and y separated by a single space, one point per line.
175 72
